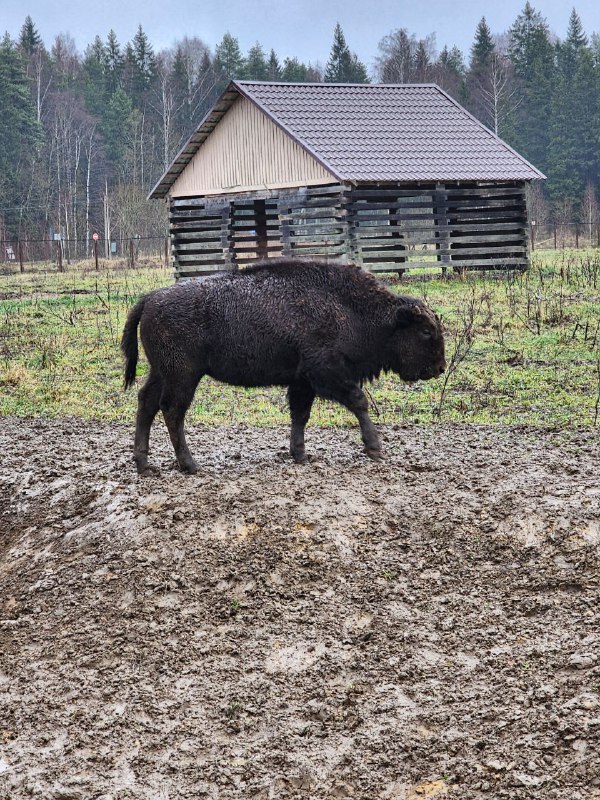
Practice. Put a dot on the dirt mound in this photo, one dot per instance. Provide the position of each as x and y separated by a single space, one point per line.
427 627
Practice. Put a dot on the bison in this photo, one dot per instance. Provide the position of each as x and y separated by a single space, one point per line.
320 329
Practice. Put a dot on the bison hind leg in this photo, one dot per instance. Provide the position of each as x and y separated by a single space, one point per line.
300 397
176 398
148 405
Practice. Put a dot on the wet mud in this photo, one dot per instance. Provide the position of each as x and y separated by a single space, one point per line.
427 627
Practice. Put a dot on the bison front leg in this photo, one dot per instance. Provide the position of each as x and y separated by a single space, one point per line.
355 400
300 396
175 400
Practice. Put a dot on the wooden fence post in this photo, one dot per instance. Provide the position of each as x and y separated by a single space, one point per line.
59 255
21 266
131 258
555 235
532 235
576 236
96 253
167 252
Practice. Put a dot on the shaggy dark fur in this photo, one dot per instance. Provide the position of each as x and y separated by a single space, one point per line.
319 329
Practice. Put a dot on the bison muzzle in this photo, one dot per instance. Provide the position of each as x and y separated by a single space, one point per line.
320 329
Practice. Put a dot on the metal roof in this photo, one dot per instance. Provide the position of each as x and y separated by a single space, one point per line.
372 132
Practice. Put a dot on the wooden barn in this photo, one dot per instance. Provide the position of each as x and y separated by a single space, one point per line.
389 177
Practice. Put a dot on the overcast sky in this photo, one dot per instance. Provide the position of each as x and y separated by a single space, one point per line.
302 28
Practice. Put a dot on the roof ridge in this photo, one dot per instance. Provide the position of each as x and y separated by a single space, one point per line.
323 84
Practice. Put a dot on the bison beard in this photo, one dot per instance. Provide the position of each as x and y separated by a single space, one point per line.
317 328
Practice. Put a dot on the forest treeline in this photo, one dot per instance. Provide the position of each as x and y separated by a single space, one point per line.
84 136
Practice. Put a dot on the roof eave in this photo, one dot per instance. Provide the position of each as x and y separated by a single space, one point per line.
538 174
190 148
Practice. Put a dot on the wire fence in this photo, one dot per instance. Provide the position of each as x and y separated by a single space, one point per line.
25 255
561 235
29 254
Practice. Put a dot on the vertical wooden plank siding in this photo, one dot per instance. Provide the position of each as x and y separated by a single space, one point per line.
248 151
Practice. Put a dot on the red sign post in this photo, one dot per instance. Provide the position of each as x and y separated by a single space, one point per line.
95 237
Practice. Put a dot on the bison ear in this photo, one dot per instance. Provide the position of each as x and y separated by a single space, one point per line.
407 315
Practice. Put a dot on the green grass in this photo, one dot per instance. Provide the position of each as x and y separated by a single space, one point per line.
532 356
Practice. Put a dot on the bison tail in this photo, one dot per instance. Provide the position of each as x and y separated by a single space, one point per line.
129 342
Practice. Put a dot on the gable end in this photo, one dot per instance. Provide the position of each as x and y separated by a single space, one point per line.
247 151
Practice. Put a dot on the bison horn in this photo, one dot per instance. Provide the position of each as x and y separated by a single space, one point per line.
408 314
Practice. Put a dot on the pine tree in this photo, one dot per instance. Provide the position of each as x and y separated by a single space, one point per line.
113 63
422 63
482 48
358 71
567 52
575 112
228 58
575 34
529 43
273 67
20 133
486 79
180 82
452 61
340 58
449 71
143 64
116 125
256 67
343 66
29 39
294 71
194 84
206 89
532 56
93 76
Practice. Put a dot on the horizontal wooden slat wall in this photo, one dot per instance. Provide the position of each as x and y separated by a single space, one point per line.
382 228
313 223
488 227
461 227
200 237
254 231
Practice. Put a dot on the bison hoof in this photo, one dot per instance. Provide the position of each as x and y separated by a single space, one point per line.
300 458
148 472
190 468
374 455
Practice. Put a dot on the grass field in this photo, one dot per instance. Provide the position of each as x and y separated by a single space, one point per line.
522 348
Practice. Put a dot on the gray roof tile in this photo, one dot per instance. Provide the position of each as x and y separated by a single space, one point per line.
389 133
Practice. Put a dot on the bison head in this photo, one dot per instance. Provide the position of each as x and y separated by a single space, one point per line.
416 345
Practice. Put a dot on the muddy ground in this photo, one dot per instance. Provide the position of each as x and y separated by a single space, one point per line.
427 627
